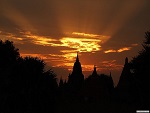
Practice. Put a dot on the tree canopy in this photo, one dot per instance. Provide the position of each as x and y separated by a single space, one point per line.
140 65
24 84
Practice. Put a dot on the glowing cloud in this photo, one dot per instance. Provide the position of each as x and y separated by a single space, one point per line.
41 40
119 50
70 56
9 36
68 47
110 51
84 34
123 49
81 44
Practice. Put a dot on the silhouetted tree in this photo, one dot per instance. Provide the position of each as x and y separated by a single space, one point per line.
24 84
8 53
36 88
140 67
49 92
8 58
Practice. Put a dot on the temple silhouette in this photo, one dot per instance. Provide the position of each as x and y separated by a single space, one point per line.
97 88
76 79
27 88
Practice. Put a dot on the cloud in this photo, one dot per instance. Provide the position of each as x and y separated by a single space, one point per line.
9 36
110 51
123 49
82 43
68 46
118 51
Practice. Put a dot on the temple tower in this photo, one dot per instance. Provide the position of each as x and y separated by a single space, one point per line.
94 71
76 78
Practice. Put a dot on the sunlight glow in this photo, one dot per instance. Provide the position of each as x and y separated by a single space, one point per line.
70 56
54 34
81 44
85 67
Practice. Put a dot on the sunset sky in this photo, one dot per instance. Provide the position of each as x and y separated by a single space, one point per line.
104 32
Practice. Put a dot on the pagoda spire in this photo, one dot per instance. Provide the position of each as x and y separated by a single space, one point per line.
94 68
110 74
76 78
77 58
94 71
77 66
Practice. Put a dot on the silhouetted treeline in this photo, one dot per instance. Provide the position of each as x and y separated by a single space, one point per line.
25 86
140 65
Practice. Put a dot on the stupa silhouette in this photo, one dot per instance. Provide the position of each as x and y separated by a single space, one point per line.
76 78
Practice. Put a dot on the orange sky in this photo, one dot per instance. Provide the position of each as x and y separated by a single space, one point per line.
104 32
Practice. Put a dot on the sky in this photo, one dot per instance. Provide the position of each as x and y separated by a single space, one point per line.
103 32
